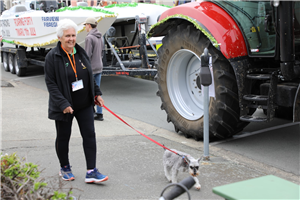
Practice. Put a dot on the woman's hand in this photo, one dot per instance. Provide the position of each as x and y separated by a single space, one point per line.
68 110
99 101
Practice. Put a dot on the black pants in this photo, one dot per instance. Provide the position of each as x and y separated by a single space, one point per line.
85 120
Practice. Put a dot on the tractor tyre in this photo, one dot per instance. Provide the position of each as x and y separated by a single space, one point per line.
178 69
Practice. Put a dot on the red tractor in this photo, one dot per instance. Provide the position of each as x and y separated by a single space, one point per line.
255 50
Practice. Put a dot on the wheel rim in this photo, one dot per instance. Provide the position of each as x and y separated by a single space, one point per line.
5 64
186 97
11 62
16 65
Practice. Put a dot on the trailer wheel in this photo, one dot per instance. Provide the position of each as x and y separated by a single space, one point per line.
11 63
19 71
5 62
178 68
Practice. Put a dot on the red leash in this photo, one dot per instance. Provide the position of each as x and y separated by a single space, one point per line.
139 131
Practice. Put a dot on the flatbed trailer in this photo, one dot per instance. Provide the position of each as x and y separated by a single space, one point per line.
16 59
126 46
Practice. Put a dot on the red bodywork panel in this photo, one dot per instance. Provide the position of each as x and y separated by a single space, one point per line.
218 22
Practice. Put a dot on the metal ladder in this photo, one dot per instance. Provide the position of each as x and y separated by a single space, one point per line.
266 102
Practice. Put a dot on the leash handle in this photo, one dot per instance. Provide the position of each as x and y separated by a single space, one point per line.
139 131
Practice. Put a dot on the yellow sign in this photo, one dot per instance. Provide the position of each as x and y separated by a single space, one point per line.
252 29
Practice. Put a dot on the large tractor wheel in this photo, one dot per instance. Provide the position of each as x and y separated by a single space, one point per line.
178 68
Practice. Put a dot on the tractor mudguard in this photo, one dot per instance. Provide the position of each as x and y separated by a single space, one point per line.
214 22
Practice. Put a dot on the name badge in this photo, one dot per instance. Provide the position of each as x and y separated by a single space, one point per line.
77 85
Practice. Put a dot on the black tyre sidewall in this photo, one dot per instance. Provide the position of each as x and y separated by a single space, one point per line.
5 59
11 62
22 70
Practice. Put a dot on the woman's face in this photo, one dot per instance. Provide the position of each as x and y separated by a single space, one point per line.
68 40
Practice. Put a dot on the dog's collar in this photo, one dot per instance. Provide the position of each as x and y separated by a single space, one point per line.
183 157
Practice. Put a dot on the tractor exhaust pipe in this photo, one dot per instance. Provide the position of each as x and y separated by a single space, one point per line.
287 40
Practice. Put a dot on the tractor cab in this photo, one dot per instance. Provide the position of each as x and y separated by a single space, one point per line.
259 23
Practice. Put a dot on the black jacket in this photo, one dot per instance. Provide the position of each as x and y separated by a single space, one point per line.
58 85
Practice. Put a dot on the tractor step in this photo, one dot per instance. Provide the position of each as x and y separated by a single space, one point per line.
250 118
252 97
264 107
259 76
266 101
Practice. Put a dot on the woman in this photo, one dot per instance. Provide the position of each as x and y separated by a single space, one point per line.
72 93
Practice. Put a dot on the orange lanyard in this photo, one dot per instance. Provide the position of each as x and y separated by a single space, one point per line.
73 65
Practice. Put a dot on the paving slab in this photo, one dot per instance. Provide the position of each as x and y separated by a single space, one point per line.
133 163
5 84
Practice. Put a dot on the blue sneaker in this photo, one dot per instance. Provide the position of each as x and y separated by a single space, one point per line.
95 177
66 173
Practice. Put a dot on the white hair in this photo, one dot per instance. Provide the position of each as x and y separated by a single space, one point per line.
63 25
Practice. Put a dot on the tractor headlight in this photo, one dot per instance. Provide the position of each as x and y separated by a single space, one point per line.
276 3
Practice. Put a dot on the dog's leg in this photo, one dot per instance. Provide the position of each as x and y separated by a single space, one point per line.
197 184
174 175
167 173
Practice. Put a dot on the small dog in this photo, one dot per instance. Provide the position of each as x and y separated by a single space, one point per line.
174 163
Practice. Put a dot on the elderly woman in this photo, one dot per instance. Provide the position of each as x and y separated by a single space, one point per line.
72 93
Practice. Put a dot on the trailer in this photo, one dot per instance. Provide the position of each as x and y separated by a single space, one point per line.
124 27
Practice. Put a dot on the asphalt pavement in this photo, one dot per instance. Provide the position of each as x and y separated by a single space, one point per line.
133 163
